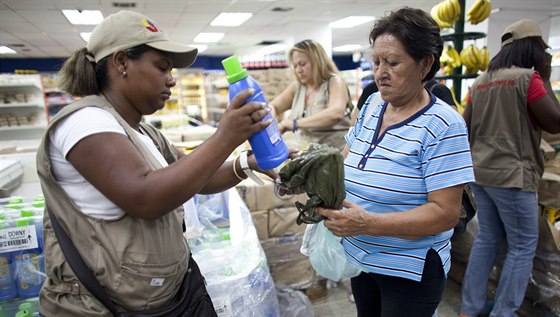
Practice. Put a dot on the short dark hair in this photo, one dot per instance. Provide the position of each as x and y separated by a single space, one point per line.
416 30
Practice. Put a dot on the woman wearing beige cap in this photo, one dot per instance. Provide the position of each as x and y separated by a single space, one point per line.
117 187
509 106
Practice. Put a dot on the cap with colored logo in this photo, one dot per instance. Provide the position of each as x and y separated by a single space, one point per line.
520 30
126 29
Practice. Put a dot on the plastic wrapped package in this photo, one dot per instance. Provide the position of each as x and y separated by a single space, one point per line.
234 265
544 287
22 268
293 303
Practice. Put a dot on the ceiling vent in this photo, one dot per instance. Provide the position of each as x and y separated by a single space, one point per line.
281 9
124 5
268 42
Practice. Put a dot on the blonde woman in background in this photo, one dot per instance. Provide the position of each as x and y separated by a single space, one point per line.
319 99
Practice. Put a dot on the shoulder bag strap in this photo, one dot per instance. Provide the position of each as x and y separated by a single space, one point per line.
79 267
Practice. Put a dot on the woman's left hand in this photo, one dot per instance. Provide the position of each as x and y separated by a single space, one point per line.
286 125
351 220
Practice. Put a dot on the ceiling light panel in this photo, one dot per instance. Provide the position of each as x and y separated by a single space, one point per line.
6 50
83 17
231 19
350 22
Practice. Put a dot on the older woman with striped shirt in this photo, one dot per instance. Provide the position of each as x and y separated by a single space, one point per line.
406 161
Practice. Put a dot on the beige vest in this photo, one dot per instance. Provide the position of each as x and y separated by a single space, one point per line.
332 136
141 263
505 147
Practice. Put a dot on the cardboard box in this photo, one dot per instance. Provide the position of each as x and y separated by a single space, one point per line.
297 274
286 263
264 197
282 221
260 220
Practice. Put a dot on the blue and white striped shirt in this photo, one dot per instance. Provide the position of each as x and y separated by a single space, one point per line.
394 172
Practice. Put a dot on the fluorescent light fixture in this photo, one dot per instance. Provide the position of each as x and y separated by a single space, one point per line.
84 17
231 19
85 36
347 48
208 37
350 22
6 50
201 47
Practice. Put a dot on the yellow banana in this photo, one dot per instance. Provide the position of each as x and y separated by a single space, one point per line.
443 12
456 7
478 59
482 13
455 57
467 58
485 58
471 70
474 9
448 69
435 16
457 104
486 12
450 11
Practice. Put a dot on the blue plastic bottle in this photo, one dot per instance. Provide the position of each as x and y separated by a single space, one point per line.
267 145
30 267
7 272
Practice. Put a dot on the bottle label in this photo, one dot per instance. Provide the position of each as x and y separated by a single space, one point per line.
18 238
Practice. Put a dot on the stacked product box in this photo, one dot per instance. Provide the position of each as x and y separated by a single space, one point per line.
22 265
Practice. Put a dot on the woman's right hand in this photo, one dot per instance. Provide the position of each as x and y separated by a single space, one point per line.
241 120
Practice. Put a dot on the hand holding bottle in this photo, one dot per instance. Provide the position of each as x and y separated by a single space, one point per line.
240 120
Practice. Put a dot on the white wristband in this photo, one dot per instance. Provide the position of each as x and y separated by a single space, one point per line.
247 170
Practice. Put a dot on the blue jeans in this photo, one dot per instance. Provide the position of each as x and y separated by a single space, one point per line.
502 213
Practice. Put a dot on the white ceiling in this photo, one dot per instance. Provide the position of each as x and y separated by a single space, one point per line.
43 31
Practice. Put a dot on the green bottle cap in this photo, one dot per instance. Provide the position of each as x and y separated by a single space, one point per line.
234 70
38 204
16 206
27 213
22 222
23 313
26 306
15 200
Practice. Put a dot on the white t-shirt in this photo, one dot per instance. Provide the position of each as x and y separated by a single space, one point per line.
82 123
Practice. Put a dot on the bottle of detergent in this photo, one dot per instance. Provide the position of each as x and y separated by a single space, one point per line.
267 145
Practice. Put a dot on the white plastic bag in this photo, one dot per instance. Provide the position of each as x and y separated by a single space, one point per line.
327 255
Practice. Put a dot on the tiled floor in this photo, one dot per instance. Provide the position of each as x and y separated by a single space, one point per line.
338 304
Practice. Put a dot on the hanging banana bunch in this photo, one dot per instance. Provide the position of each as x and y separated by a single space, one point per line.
449 59
446 13
485 58
472 59
479 11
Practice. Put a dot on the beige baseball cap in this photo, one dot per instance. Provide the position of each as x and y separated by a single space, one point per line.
520 30
126 29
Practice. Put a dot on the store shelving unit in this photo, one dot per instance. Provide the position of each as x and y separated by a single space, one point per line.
55 98
191 93
458 37
217 95
23 114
